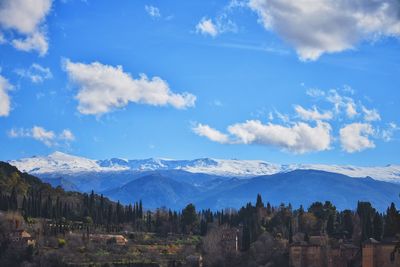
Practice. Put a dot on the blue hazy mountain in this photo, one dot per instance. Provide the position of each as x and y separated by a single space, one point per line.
296 187
217 184
304 187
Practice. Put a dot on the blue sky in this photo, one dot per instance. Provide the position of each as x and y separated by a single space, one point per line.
282 82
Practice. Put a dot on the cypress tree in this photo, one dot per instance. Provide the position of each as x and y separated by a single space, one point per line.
259 202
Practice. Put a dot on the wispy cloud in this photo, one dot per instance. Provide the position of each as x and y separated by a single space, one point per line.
254 47
47 137
36 73
153 11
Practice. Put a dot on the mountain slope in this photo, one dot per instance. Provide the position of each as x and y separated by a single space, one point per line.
304 187
155 190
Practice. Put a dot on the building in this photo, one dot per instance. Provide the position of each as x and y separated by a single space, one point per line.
21 239
380 254
115 239
319 251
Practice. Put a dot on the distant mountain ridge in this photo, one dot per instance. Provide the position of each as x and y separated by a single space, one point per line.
299 187
62 163
216 184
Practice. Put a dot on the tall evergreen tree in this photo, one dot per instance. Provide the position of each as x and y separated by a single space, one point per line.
392 222
259 202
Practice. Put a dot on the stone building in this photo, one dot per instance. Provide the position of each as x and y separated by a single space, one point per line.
380 254
319 251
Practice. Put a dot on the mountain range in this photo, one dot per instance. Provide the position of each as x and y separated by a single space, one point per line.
216 183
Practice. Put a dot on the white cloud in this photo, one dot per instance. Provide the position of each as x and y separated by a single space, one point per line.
354 137
222 24
349 89
36 73
42 135
27 18
313 92
312 114
153 11
317 27
37 41
351 110
207 26
387 134
282 117
47 137
371 114
67 135
210 133
103 88
299 138
342 103
5 103
2 39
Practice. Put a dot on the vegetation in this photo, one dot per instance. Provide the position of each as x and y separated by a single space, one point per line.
64 223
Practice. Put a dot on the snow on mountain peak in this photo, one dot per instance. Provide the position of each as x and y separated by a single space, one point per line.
59 162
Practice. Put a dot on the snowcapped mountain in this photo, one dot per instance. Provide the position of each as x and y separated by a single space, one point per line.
59 162
62 163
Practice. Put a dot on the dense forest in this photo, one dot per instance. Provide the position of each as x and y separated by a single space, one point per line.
259 224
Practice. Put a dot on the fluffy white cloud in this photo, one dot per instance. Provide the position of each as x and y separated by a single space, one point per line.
317 27
36 73
299 138
103 88
371 114
5 105
27 18
207 27
210 133
47 137
312 114
42 135
153 11
354 137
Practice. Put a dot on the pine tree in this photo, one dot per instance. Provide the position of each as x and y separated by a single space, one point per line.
330 226
259 202
348 223
189 217
377 226
391 221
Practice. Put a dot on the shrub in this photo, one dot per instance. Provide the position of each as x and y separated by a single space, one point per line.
61 242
